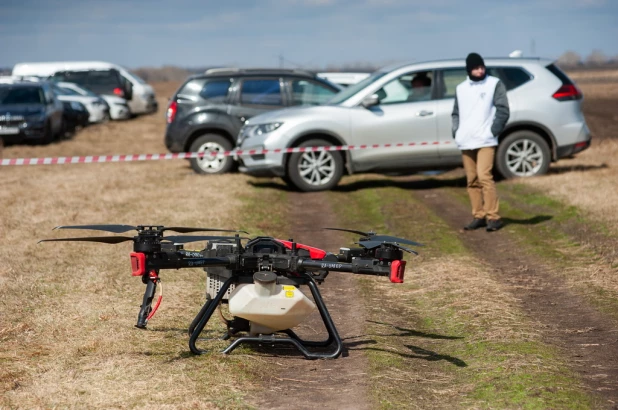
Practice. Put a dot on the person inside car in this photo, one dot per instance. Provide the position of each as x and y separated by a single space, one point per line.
421 88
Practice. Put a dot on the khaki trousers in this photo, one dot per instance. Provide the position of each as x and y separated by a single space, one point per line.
478 164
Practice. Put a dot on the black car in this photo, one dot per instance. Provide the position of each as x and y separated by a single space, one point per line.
208 110
29 112
75 115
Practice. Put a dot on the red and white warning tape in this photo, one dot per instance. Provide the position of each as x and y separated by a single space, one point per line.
96 159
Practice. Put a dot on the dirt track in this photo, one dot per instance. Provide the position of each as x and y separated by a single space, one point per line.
326 384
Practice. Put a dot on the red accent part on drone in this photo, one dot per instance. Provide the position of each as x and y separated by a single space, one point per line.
397 270
138 264
314 253
156 306
153 275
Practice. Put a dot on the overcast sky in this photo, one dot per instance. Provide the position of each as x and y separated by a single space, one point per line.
308 33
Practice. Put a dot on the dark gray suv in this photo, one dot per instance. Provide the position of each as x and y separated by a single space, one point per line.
208 110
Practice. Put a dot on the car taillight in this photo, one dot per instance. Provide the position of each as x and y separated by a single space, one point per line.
171 111
118 91
568 92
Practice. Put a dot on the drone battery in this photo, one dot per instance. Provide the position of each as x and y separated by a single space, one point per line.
217 275
398 268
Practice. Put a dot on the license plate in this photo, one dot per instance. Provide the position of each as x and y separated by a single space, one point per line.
9 130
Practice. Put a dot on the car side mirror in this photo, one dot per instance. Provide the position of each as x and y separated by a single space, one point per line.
370 101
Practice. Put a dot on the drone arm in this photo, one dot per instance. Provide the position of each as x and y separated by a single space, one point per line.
364 266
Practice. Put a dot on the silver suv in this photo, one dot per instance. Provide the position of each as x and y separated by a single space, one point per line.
546 124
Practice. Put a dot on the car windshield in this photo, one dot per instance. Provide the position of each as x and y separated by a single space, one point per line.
21 95
353 89
79 90
66 91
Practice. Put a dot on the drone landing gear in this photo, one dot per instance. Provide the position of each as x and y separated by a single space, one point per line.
200 321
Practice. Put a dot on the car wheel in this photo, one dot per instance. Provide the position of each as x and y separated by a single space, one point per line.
314 170
211 144
523 154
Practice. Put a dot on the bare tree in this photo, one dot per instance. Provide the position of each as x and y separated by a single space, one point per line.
569 59
596 58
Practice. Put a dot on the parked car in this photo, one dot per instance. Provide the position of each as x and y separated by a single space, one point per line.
101 77
117 106
75 116
208 110
29 112
96 107
343 79
546 124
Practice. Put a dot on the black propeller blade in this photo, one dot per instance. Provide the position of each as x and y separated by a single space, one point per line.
352 231
102 239
187 239
387 238
106 228
187 230
126 228
375 244
375 237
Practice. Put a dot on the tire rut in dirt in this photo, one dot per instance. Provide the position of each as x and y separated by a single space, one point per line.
587 339
327 384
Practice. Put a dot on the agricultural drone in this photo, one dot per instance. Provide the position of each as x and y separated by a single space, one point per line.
259 281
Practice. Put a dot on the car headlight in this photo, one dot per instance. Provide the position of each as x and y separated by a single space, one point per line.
266 128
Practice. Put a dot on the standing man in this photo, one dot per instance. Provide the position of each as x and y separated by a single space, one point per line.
480 113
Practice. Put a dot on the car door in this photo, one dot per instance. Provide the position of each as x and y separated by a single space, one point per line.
401 117
255 95
448 79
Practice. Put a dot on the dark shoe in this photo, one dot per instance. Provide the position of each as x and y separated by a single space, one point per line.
494 225
475 224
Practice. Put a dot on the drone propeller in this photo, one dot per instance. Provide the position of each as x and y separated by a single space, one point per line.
120 239
379 238
102 239
375 244
126 228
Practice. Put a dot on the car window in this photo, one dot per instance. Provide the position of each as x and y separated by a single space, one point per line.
512 77
100 80
306 92
21 95
410 87
450 80
107 78
67 91
216 90
261 92
355 88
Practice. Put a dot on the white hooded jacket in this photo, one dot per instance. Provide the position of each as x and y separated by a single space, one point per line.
480 113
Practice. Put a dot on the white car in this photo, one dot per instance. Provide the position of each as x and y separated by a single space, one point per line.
96 106
118 108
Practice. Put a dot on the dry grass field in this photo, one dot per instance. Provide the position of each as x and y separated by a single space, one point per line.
67 309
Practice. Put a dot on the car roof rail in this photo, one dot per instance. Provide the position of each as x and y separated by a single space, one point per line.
258 70
220 69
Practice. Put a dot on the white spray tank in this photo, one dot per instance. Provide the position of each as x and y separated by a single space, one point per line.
268 306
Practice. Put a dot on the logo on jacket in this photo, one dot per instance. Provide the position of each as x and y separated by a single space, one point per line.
483 94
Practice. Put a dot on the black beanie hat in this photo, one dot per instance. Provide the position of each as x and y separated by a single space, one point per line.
474 60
